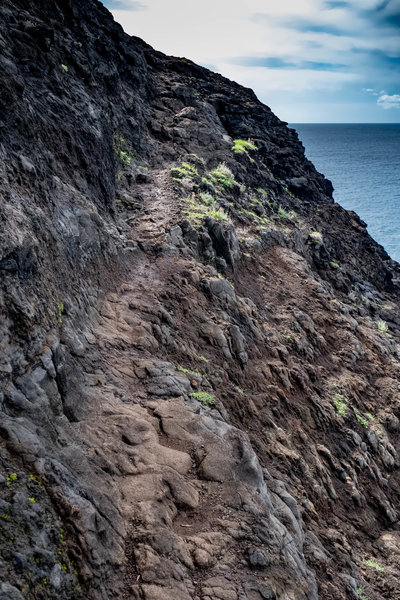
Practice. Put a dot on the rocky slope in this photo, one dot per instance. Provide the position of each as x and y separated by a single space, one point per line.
199 348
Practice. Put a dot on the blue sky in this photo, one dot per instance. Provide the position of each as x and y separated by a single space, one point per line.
309 60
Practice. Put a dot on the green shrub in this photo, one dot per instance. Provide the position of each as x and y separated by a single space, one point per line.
340 404
185 170
282 213
222 175
122 150
11 478
203 397
199 211
374 565
382 326
188 371
361 420
243 146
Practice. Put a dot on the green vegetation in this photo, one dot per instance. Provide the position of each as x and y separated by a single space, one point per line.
261 221
239 389
122 150
11 478
207 199
382 326
289 193
204 359
334 264
341 405
60 311
64 68
263 193
243 147
188 371
34 479
361 594
185 170
203 397
316 237
4 516
369 416
199 211
223 176
374 565
281 213
361 420
32 499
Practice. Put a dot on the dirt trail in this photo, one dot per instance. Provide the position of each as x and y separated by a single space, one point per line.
191 491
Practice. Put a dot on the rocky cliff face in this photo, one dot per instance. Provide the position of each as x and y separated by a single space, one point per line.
199 348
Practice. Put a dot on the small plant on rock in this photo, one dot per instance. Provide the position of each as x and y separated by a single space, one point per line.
281 213
382 326
186 170
199 211
203 397
188 371
289 193
361 420
222 175
340 404
263 193
122 150
374 565
243 147
360 594
316 237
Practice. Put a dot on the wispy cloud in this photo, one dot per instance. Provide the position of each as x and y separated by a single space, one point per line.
274 62
386 101
313 27
333 5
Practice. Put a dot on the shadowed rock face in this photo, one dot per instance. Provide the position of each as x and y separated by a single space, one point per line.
198 348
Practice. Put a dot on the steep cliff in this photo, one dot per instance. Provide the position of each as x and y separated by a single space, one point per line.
199 347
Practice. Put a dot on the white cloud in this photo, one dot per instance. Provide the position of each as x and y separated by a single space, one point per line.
386 101
300 32
263 79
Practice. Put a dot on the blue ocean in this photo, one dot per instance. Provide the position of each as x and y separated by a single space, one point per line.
363 163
